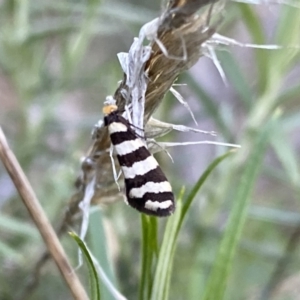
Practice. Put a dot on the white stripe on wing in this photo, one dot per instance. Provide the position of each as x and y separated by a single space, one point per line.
140 167
117 127
150 187
128 146
155 205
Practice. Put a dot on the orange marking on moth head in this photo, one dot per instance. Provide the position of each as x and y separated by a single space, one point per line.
108 109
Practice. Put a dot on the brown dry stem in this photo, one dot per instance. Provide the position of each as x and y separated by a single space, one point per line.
39 217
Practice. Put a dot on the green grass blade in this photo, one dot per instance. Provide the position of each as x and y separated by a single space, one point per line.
81 40
287 36
93 275
273 215
144 258
17 227
287 156
154 250
165 259
199 183
236 78
163 273
254 26
149 253
221 269
98 242
21 19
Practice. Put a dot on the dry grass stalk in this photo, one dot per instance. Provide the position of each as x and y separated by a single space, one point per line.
39 217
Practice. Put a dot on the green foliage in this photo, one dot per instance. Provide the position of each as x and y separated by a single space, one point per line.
57 64
221 269
163 270
93 276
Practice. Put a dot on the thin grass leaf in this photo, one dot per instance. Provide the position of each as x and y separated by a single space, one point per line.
154 249
122 12
280 62
172 254
162 275
144 259
273 215
149 251
199 183
154 239
221 269
287 36
255 28
236 77
286 155
93 275
21 19
10 224
98 245
81 41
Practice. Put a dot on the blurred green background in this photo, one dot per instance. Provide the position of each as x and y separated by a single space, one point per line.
58 63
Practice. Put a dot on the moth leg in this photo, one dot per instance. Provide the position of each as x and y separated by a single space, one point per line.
119 175
163 149
111 150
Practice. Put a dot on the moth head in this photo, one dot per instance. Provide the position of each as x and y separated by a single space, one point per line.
108 109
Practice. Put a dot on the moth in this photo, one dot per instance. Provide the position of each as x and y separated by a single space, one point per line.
146 186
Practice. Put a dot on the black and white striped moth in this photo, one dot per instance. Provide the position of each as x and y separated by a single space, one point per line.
147 188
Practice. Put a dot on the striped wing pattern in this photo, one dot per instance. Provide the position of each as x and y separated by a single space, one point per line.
147 188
